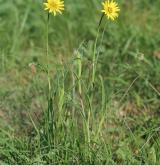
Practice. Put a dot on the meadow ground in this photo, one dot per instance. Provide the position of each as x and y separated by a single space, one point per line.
116 120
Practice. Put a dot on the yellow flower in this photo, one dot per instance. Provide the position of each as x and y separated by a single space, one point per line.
54 6
110 9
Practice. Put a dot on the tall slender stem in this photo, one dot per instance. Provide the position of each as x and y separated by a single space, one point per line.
94 58
49 121
47 54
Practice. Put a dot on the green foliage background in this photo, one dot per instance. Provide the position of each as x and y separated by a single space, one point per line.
129 62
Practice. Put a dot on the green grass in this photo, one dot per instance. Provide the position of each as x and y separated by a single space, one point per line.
114 121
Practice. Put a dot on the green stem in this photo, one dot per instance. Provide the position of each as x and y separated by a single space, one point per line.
94 58
47 54
94 53
49 120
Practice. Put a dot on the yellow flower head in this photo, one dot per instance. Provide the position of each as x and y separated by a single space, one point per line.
54 6
110 9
